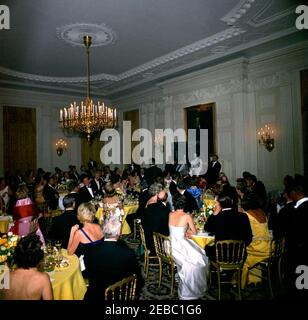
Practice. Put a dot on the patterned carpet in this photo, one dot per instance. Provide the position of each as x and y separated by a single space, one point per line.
150 291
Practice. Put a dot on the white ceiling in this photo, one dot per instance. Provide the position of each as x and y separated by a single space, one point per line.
146 41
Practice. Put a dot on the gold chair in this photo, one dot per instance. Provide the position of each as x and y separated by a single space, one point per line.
137 224
125 288
163 250
229 257
275 260
147 257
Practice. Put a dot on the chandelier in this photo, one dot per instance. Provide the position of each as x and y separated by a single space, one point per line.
87 118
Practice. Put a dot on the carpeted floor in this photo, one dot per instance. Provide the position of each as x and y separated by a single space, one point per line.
150 291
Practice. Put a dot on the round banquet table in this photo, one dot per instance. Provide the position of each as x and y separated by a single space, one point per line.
203 239
128 209
68 283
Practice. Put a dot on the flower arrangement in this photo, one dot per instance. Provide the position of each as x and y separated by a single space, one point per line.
7 246
209 209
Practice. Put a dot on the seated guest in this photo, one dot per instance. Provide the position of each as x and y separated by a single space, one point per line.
228 189
61 225
173 184
195 191
26 282
97 184
89 235
190 259
258 188
154 189
260 247
86 192
73 188
51 195
39 192
227 224
23 212
152 172
110 198
155 219
191 204
142 201
109 262
5 192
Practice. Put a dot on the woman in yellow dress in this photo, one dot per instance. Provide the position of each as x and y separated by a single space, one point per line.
259 248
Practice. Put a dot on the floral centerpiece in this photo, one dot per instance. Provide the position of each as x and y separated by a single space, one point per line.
7 246
202 215
63 186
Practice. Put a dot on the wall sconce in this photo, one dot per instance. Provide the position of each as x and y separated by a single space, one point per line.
266 137
61 147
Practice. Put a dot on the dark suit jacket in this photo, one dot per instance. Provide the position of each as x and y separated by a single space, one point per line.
61 226
95 189
76 195
106 264
228 225
85 195
212 173
151 173
51 196
155 219
173 188
74 176
169 167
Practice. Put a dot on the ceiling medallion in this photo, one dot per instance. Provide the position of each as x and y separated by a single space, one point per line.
73 34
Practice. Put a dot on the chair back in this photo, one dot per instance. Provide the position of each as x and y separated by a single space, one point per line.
277 248
142 236
163 247
124 289
230 252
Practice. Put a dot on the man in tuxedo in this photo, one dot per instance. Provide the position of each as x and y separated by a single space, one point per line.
152 172
227 224
155 219
191 204
133 167
50 193
73 174
258 188
86 192
61 225
97 184
73 188
297 240
109 262
212 173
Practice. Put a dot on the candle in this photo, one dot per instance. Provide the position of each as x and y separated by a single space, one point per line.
61 115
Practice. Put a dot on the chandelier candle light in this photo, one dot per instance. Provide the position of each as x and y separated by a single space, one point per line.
88 118
266 137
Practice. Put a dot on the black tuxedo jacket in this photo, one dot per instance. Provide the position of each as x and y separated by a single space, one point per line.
106 264
212 173
85 195
228 225
155 219
61 226
51 196
97 190
151 173
74 176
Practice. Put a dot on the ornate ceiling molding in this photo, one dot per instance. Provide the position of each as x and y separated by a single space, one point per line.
207 42
73 34
238 11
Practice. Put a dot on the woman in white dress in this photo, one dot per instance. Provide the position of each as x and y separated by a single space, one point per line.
190 259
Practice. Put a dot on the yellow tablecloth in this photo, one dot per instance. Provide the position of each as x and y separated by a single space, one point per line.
203 241
128 209
68 283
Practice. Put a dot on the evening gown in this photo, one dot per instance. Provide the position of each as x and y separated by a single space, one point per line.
192 265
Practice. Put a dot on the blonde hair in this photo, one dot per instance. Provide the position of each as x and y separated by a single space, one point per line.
86 212
22 192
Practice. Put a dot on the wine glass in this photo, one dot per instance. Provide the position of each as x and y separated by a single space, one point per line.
49 248
58 245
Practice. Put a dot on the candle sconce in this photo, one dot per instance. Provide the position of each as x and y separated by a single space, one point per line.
61 146
265 137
